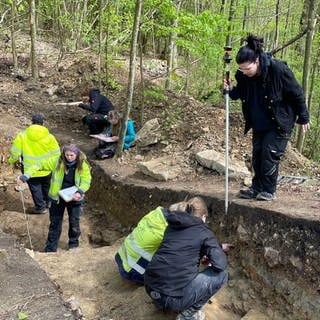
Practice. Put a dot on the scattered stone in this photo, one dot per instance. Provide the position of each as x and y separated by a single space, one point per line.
272 256
149 134
296 262
216 161
243 234
164 168
74 305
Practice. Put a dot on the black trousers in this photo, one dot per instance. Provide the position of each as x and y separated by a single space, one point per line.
56 219
95 122
267 149
39 187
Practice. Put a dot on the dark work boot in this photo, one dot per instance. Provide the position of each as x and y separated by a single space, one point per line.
249 193
266 196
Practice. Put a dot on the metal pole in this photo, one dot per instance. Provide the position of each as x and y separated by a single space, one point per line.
227 60
20 189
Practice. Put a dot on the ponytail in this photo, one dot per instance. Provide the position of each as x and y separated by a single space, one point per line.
251 51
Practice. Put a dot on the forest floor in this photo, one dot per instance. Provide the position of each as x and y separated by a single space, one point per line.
187 126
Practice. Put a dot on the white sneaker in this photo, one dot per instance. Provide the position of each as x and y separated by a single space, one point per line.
199 315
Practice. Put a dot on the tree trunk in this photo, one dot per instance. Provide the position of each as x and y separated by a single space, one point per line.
172 49
106 48
314 75
311 25
141 81
100 42
276 35
246 11
33 35
232 11
13 34
133 54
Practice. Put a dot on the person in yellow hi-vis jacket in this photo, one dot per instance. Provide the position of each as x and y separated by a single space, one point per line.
30 146
139 246
71 170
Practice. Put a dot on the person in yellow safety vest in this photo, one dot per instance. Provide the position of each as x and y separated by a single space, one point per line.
139 246
70 171
29 147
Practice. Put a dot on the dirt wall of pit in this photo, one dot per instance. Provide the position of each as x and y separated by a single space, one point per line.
277 254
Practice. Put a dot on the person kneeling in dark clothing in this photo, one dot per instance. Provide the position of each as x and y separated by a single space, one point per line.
172 278
99 106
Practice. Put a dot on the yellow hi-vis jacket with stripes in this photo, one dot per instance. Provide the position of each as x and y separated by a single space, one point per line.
143 241
33 145
82 178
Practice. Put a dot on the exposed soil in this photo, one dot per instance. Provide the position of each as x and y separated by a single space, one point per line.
89 272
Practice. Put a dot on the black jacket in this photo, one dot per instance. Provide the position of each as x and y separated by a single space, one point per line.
177 260
98 103
283 97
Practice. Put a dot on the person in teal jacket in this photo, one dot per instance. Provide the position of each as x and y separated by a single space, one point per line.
70 170
116 122
107 149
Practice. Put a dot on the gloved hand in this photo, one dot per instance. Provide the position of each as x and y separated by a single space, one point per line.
81 105
24 178
21 180
85 106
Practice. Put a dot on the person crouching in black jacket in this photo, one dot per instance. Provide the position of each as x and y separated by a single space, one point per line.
172 278
99 106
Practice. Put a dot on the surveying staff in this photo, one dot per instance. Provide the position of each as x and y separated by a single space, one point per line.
172 278
71 169
30 146
272 101
99 106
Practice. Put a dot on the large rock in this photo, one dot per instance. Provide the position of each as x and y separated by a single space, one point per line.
164 168
216 161
149 134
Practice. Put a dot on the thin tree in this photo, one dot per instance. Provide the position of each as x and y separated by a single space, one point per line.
141 49
276 35
306 66
232 10
33 35
13 33
172 47
133 54
100 42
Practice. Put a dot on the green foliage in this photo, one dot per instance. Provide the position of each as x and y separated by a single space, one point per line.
155 93
22 316
201 32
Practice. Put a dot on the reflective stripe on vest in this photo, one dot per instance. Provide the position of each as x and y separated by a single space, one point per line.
144 254
132 263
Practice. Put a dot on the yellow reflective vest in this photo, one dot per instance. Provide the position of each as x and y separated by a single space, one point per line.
33 145
82 178
143 241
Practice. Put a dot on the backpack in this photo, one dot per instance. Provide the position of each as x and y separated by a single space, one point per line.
105 150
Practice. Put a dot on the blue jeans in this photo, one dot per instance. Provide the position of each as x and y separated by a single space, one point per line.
132 275
56 218
196 294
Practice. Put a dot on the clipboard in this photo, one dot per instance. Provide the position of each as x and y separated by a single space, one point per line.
102 137
67 193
